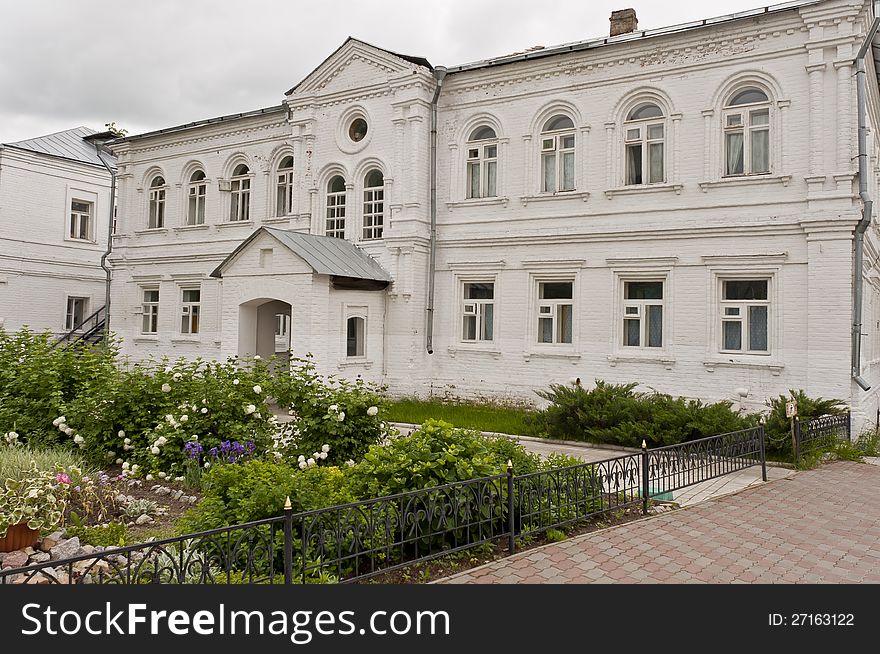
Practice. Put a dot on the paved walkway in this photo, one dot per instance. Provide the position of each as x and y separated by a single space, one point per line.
819 526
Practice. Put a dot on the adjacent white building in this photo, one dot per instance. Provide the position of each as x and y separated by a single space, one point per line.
675 207
54 215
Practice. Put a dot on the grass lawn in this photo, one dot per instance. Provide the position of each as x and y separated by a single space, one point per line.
482 417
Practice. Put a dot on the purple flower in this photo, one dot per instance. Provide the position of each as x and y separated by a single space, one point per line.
62 478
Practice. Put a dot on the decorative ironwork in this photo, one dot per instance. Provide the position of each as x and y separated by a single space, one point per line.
820 434
678 466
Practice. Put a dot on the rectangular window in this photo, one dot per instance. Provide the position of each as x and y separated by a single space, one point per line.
555 312
557 163
478 311
240 207
150 319
190 311
195 214
747 142
80 227
157 208
745 309
284 193
374 212
643 314
355 337
77 310
335 224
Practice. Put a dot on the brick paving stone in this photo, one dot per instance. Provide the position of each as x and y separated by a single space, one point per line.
786 531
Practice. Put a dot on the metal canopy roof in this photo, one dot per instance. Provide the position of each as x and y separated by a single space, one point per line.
70 144
324 254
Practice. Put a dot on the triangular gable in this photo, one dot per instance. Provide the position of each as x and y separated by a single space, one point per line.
361 61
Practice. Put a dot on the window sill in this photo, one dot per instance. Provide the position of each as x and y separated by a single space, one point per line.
468 348
559 195
237 223
746 180
774 367
354 362
571 355
274 219
146 338
81 241
478 202
152 230
185 339
644 188
191 228
659 358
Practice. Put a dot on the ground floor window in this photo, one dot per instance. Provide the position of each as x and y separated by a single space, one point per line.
355 337
150 319
190 311
643 314
77 310
745 311
478 311
555 311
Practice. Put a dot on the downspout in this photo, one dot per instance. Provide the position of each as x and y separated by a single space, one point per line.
106 254
439 74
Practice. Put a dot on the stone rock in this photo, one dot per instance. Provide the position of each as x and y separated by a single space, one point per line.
143 520
40 557
66 549
121 498
88 549
52 540
17 559
29 550
99 548
163 491
155 488
176 495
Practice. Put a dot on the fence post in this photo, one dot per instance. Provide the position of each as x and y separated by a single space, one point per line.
511 523
288 541
849 426
763 450
796 441
645 485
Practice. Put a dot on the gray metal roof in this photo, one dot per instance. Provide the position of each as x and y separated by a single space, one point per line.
69 144
325 255
207 121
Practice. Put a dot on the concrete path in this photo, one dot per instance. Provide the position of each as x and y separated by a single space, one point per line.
818 526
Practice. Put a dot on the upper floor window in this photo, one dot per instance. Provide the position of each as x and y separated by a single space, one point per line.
80 226
482 163
557 155
335 223
240 206
747 133
645 140
374 205
284 187
157 203
198 188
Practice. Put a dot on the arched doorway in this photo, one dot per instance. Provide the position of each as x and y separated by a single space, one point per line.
264 328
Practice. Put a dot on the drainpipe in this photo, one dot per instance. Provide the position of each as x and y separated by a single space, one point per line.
439 74
106 254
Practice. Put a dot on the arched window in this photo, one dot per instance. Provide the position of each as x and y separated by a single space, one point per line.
240 202
747 133
645 143
482 163
284 187
198 188
374 205
157 203
557 155
335 225
355 337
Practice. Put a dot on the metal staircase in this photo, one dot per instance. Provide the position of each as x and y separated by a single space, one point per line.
89 331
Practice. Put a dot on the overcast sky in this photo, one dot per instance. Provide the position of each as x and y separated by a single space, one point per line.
148 65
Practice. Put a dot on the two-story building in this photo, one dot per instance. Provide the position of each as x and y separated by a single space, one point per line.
676 207
54 219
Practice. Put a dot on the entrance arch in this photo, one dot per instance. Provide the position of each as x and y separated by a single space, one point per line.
264 328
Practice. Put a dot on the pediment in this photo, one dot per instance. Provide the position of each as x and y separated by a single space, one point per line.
356 65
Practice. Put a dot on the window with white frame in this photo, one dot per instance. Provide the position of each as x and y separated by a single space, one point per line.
77 310
355 337
482 163
150 311
157 203
284 187
557 155
747 133
80 226
197 191
240 201
335 222
645 144
745 315
555 311
374 205
478 311
190 311
643 314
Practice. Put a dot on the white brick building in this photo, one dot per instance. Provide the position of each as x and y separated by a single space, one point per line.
54 218
674 207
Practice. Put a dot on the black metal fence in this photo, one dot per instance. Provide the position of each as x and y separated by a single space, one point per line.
820 434
363 539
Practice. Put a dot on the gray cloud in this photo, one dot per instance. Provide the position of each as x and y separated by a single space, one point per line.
166 62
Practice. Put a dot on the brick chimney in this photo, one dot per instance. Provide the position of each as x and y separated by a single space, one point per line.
623 21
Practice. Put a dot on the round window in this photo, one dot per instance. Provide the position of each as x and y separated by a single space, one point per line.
357 130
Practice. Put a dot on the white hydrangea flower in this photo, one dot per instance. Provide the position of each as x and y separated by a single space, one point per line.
126 465
207 464
258 389
162 475
184 418
301 458
135 467
149 477
59 420
169 418
333 407
181 478
68 431
303 465
79 440
310 462
350 462
235 382
121 433
372 411
166 388
277 456
127 441
325 448
341 416
204 409
154 450
119 462
168 368
176 376
257 357
195 437
322 455
316 455
249 409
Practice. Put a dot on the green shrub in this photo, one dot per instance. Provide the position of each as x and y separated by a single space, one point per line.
109 535
778 427
617 414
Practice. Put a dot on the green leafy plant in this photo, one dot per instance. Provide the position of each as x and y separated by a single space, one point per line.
35 498
555 535
138 507
112 534
778 427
